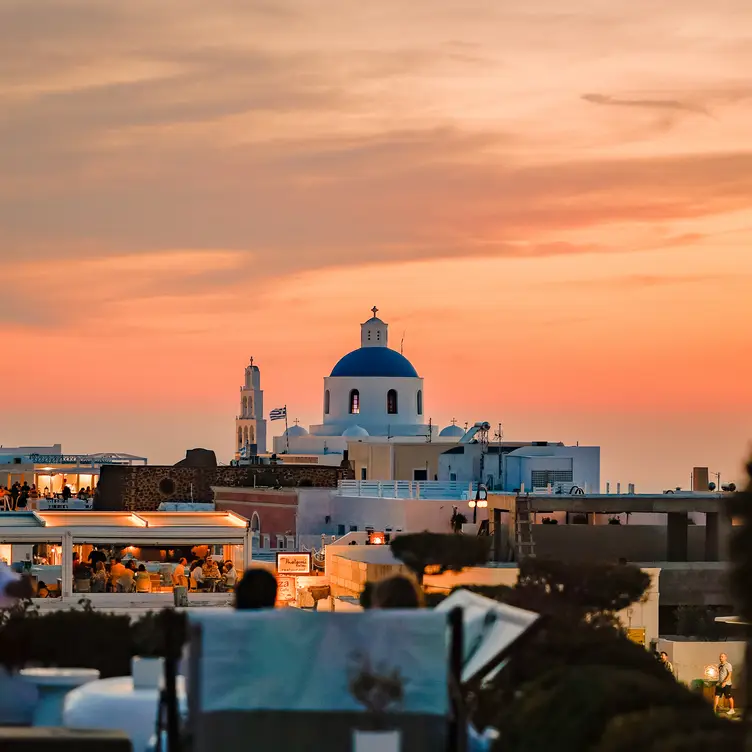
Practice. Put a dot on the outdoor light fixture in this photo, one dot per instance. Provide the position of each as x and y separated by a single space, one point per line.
711 672
376 539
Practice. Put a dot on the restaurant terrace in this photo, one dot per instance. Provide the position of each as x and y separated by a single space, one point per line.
44 544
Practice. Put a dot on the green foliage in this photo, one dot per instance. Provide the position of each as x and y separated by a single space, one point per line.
84 638
569 708
654 726
444 552
581 588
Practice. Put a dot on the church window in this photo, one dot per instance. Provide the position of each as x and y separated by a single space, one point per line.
326 402
255 523
419 401
245 406
369 335
354 402
391 402
240 437
378 335
245 436
251 435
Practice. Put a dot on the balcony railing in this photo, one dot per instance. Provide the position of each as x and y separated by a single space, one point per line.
408 489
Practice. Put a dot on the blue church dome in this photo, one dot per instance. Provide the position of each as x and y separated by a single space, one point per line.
375 361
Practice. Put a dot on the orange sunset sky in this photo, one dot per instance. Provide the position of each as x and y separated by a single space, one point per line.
552 200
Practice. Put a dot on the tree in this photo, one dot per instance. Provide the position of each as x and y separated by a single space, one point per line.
444 552
569 708
657 728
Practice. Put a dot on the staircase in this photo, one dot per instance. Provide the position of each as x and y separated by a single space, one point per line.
523 530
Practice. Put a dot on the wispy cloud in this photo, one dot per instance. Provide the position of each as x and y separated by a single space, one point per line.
647 103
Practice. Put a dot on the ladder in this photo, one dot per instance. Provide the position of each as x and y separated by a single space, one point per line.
523 529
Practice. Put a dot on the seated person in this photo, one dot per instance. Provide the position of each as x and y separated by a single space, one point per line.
210 569
116 570
230 575
256 589
143 581
42 591
125 580
197 575
99 581
396 592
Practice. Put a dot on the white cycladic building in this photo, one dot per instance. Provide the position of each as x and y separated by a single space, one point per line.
532 466
250 425
373 391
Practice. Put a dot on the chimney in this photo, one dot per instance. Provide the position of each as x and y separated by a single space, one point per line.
618 488
608 487
631 488
700 479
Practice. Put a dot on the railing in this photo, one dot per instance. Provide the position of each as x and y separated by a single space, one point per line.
408 489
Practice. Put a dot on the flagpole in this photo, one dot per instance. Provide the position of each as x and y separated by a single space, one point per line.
287 434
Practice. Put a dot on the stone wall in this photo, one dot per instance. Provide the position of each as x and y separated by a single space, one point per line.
143 488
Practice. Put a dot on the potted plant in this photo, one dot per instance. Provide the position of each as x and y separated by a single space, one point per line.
381 691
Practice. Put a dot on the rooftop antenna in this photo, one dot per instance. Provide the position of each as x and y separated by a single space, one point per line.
402 342
429 437
499 436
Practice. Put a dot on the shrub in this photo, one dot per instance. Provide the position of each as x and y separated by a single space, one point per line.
84 638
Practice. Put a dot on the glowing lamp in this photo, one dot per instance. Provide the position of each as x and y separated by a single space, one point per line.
471 503
376 539
711 672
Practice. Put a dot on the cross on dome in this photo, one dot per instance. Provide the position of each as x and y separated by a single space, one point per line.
296 421
374 310
454 421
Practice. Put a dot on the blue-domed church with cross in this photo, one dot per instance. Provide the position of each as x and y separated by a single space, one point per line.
373 391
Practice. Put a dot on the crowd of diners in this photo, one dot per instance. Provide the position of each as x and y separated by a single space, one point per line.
103 572
17 496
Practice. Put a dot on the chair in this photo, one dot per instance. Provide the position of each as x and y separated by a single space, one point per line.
156 582
320 663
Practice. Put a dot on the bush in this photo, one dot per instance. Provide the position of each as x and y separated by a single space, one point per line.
642 729
569 708
84 638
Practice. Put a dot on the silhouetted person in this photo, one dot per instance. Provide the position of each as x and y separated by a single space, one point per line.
396 592
366 596
257 589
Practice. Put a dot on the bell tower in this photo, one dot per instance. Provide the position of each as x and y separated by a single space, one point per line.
250 426
373 333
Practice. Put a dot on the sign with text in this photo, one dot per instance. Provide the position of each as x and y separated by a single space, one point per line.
286 587
637 634
298 563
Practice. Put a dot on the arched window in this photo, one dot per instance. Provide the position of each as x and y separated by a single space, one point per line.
419 401
326 402
245 437
240 437
354 402
245 405
255 523
251 435
391 402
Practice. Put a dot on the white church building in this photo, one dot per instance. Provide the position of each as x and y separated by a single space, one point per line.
373 391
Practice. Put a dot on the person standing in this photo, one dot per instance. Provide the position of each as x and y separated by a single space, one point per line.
666 662
723 687
178 575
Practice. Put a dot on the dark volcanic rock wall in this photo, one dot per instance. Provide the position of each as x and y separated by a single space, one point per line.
140 487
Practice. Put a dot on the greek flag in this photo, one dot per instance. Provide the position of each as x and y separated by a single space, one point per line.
278 413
